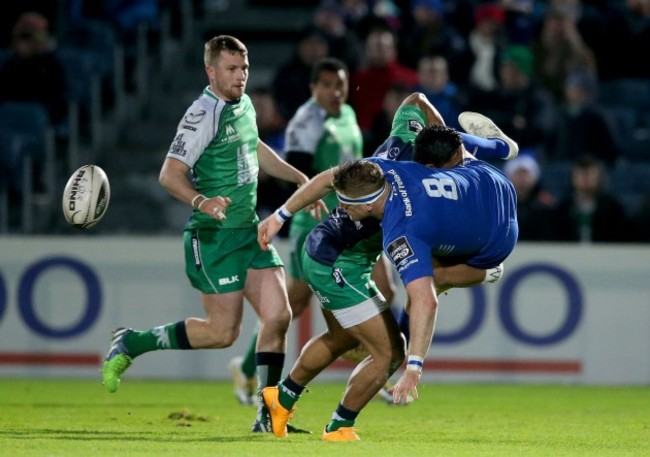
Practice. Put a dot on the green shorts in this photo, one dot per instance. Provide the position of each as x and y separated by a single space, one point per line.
217 260
346 289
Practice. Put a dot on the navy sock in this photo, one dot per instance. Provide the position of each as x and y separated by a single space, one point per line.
485 148
342 417
269 368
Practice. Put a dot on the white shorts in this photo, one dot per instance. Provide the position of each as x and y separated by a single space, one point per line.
358 314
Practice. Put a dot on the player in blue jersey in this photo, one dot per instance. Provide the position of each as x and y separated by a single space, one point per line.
352 307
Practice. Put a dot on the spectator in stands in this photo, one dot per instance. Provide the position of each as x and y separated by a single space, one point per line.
584 127
431 34
485 46
291 80
444 94
534 203
590 213
629 28
522 20
380 70
270 125
362 16
125 18
343 43
640 221
560 50
382 122
591 19
33 72
520 105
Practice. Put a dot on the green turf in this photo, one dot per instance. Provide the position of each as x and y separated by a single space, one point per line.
78 418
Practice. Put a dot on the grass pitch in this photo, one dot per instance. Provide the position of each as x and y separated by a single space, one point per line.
78 418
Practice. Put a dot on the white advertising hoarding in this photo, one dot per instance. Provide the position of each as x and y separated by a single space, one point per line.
561 313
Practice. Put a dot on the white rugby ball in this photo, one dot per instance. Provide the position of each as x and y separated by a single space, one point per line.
86 196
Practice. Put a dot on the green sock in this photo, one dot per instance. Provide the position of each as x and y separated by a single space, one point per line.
289 392
169 336
249 366
342 417
336 424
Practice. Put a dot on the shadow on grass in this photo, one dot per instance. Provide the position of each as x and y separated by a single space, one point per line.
92 435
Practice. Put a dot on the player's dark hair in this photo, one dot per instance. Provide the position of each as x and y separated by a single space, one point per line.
327 64
222 43
358 177
436 144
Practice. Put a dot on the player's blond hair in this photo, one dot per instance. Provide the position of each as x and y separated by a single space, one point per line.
358 177
215 45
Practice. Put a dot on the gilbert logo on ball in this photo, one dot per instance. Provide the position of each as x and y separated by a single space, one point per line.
86 196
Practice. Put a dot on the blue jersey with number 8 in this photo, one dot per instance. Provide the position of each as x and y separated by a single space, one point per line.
467 213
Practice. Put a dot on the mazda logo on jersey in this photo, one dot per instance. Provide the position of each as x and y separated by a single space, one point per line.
195 118
399 250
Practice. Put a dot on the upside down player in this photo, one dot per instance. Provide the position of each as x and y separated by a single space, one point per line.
340 249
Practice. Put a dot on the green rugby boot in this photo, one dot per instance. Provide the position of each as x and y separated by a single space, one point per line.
117 360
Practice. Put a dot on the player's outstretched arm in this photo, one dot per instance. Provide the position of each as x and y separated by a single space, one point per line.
306 195
420 100
273 165
423 310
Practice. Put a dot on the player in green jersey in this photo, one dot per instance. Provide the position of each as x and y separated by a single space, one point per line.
339 254
217 143
323 133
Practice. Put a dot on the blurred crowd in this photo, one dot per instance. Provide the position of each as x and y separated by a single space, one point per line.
555 75
552 74
66 68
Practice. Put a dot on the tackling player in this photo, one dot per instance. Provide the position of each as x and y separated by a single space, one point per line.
353 308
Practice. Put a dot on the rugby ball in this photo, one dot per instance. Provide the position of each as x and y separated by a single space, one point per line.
86 196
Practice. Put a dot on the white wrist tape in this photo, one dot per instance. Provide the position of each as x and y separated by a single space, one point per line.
196 197
283 214
415 363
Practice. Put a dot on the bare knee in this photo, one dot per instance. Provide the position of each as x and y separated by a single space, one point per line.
442 279
218 337
299 296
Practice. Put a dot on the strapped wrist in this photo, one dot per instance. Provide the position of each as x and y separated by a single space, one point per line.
415 363
282 214
201 198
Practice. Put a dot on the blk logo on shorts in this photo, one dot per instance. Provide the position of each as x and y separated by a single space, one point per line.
226 281
338 277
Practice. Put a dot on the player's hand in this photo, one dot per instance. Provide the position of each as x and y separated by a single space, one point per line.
406 385
215 207
317 210
266 230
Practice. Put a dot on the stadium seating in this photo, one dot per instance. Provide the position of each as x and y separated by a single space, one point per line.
631 92
28 139
627 100
92 51
629 182
556 176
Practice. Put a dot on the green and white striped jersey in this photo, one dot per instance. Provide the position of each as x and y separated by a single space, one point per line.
218 141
